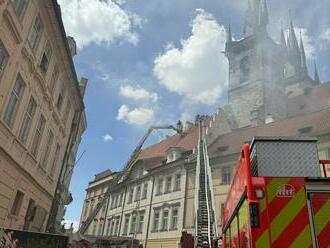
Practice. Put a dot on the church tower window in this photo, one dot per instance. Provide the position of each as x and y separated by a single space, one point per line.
245 69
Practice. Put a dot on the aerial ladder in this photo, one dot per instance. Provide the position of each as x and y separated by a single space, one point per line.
205 220
120 177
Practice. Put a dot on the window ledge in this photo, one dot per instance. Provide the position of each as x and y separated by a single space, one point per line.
173 229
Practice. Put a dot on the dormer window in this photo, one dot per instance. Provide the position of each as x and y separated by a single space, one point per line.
173 154
245 69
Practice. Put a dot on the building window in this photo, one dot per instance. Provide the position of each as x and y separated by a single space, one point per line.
245 69
17 203
3 58
94 228
57 153
133 224
126 223
67 111
119 200
130 195
165 220
177 184
226 175
91 207
19 7
141 221
53 81
112 227
59 102
50 139
160 186
168 185
156 220
116 227
138 193
35 33
145 191
28 117
108 228
86 209
14 100
46 56
100 228
37 136
174 222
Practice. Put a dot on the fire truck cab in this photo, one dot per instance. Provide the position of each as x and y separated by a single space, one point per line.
279 196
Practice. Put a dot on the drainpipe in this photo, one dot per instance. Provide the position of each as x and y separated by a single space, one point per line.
150 205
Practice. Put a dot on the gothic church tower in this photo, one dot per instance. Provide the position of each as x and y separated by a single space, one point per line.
260 70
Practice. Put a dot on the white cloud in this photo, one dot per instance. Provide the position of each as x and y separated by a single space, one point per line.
324 40
198 70
136 116
98 21
326 35
107 137
137 93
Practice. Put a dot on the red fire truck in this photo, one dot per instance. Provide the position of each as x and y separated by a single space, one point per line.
279 196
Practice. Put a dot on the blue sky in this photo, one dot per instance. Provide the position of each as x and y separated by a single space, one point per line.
157 61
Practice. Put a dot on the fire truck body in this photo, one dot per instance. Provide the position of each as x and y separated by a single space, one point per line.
278 197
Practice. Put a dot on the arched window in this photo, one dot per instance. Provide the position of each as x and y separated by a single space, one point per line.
245 69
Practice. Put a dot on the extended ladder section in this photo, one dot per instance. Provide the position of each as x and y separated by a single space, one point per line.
205 222
84 226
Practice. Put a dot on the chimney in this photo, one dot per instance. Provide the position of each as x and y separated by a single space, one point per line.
179 127
72 46
186 126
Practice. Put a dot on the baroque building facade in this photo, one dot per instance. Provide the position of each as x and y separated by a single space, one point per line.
270 94
40 101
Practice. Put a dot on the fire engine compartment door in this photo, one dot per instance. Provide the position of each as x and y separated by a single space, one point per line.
319 208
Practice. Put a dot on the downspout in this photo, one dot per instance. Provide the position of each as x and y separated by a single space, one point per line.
149 217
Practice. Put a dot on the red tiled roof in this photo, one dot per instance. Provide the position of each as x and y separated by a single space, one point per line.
314 99
319 122
155 154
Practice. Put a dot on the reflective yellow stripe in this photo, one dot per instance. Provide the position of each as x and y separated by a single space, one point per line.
273 186
263 240
262 204
303 240
322 218
287 214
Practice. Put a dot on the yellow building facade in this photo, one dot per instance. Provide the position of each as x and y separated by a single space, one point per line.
39 99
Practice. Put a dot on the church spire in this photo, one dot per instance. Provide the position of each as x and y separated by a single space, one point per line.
229 34
263 14
316 74
256 17
294 51
282 41
303 56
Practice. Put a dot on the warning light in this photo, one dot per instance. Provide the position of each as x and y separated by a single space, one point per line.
259 193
